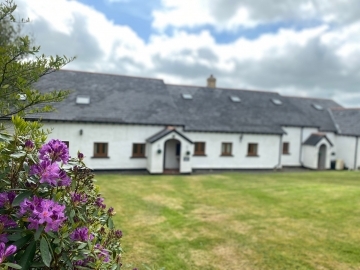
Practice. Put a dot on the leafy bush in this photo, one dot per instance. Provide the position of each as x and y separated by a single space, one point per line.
51 213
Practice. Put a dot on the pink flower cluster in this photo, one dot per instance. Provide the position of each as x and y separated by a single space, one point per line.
43 212
48 170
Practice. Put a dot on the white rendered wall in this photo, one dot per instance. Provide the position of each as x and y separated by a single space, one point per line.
120 139
358 155
268 151
293 137
346 150
310 156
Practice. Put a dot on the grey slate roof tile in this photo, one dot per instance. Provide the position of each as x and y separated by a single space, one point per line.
315 138
133 100
347 120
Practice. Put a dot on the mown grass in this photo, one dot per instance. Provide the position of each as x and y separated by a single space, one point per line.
238 221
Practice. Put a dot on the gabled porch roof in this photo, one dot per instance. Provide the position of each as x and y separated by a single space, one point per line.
165 132
315 138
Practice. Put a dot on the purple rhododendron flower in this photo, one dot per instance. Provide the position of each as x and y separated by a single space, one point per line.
103 254
78 197
118 234
54 150
81 234
6 252
64 179
100 202
80 156
50 173
47 171
43 212
6 198
6 222
29 145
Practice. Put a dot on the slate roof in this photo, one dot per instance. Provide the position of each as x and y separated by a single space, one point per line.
133 100
315 138
347 120
165 132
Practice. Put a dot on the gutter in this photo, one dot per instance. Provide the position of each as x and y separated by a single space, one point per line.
356 152
280 151
301 139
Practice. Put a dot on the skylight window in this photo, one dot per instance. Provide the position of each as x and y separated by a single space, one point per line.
318 107
235 99
22 97
83 100
276 101
187 96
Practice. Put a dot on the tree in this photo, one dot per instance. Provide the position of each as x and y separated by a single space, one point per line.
21 66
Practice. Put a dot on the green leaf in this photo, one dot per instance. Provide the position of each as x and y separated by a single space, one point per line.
82 246
18 155
28 256
13 265
58 250
21 197
37 264
110 223
38 233
22 242
14 237
45 252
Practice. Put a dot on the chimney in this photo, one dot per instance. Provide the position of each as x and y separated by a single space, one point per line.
211 82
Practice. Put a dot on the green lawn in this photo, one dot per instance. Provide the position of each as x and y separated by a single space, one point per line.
307 220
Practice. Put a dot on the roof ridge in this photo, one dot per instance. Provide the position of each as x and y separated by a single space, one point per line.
222 88
308 97
343 109
112 74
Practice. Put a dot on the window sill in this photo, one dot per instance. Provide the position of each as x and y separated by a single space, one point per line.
286 154
138 157
199 155
226 155
252 156
100 157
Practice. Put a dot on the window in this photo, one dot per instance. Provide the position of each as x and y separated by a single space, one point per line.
67 143
100 150
286 147
252 149
226 149
199 149
235 99
83 100
276 101
138 150
187 96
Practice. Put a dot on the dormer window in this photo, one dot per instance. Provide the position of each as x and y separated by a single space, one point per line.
83 100
235 99
318 107
187 96
276 101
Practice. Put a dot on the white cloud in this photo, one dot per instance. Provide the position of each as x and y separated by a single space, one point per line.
319 61
232 14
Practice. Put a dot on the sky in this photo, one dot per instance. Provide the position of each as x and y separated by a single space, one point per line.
307 48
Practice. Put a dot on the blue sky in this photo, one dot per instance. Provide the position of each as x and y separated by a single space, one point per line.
303 47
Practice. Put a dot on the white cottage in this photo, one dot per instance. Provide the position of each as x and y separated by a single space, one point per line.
131 123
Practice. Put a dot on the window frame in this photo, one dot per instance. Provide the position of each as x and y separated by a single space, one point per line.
224 152
250 150
136 150
105 150
286 150
67 143
198 150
